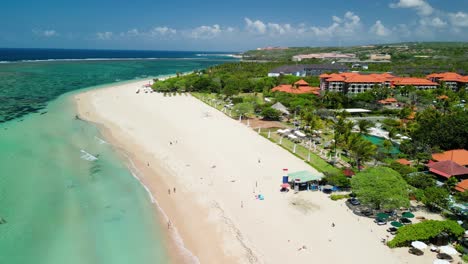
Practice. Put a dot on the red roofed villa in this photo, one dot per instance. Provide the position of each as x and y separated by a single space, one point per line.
299 87
459 156
447 169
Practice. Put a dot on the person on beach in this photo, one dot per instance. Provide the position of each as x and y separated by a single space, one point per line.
169 191
242 204
333 224
174 190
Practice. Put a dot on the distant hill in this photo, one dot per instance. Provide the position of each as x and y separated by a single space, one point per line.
414 57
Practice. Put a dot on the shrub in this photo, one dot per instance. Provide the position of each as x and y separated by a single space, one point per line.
336 197
425 231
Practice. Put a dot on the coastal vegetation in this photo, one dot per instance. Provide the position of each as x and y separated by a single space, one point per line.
372 186
425 231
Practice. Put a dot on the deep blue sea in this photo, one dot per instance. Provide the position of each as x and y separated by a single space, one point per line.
65 195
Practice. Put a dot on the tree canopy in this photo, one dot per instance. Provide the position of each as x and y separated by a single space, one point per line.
381 188
425 231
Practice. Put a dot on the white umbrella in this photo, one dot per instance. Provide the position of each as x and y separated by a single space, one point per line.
440 261
448 250
419 245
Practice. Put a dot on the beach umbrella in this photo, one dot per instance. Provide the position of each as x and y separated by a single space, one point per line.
448 250
408 215
440 261
396 224
382 216
419 245
285 185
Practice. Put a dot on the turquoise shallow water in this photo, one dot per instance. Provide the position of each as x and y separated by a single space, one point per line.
62 205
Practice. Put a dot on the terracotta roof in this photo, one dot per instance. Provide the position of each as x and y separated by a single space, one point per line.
462 186
404 162
447 168
324 75
287 88
372 78
446 76
301 83
388 101
402 81
460 156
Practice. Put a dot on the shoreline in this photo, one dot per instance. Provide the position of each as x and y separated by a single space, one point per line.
179 141
177 246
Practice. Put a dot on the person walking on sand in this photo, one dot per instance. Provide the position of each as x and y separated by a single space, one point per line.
169 191
174 190
333 224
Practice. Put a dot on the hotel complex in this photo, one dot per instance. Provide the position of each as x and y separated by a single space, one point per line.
351 82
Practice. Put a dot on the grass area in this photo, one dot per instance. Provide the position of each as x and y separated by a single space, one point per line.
302 152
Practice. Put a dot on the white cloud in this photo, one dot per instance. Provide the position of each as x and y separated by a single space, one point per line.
459 19
421 6
45 33
205 32
163 31
433 22
346 26
257 26
379 29
104 35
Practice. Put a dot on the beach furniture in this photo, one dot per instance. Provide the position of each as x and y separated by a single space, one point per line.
419 245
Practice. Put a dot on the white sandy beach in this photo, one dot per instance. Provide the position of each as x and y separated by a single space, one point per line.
213 162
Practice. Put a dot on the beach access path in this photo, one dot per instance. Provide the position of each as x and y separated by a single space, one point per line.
217 167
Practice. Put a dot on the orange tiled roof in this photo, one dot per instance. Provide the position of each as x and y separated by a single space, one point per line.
402 81
446 76
388 101
287 88
462 186
301 83
459 156
324 75
372 78
404 162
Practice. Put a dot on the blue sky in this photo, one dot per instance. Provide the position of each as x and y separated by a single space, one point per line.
227 26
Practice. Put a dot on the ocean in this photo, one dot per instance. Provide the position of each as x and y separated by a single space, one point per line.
65 195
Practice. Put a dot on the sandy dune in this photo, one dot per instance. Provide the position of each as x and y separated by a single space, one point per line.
217 166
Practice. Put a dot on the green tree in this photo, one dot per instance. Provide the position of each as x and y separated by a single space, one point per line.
381 188
435 197
364 126
339 180
244 109
360 149
269 113
421 180
451 183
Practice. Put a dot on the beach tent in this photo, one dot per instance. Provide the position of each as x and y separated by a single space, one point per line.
396 224
280 107
304 178
419 245
299 134
448 250
407 215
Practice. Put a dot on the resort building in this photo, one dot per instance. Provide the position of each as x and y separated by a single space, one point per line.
299 87
378 57
447 169
462 186
452 80
303 70
330 55
351 82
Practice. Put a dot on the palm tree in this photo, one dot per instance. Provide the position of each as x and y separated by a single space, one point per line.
364 126
360 149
